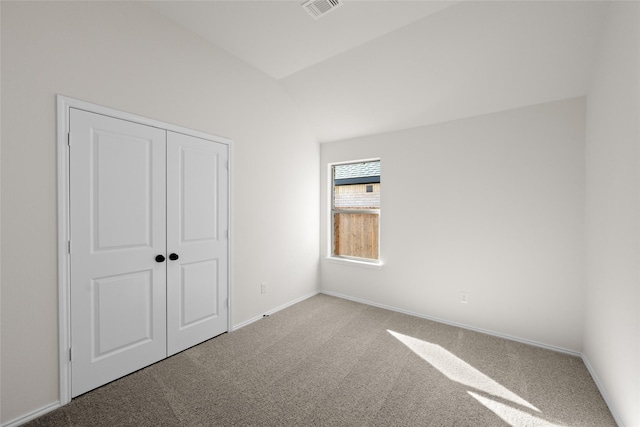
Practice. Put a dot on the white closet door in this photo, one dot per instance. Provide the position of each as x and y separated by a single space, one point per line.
197 227
117 228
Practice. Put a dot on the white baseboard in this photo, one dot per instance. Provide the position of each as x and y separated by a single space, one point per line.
603 391
275 310
459 325
32 415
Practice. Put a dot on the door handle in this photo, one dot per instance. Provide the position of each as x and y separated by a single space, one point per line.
160 258
173 257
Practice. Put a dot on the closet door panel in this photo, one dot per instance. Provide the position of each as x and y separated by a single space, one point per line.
117 228
197 227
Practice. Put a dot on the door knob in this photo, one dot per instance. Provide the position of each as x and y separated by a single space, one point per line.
160 258
173 257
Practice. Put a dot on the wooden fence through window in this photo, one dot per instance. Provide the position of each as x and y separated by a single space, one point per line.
356 234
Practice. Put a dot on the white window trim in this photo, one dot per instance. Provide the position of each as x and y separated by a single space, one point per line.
374 265
331 258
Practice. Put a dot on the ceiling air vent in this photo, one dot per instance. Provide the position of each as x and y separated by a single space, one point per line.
318 8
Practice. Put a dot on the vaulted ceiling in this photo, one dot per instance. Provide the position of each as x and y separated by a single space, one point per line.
378 66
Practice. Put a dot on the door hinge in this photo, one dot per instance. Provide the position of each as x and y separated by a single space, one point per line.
69 139
227 164
70 355
69 246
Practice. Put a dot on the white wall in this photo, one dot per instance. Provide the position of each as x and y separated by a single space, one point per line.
612 322
491 205
125 56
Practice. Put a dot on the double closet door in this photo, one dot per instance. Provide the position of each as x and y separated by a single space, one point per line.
148 245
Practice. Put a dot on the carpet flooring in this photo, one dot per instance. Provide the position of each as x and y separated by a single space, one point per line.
327 361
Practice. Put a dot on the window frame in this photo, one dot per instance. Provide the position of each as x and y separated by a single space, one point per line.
345 259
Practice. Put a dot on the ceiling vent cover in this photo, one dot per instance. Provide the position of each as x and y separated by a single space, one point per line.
318 8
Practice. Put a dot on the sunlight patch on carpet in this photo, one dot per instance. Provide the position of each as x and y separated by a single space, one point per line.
512 416
458 370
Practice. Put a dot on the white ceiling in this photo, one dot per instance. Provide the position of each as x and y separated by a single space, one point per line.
280 38
377 66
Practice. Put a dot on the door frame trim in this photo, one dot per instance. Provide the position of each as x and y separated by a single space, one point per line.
64 105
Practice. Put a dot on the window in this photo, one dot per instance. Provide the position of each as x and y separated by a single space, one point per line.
355 210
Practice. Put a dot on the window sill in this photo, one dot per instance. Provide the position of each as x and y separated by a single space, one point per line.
375 265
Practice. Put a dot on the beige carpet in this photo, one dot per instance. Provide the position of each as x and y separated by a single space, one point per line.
332 362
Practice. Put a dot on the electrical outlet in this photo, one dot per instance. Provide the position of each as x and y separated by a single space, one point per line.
263 287
464 298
